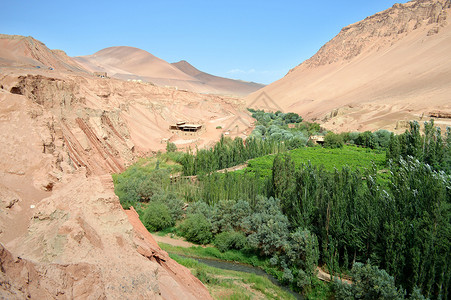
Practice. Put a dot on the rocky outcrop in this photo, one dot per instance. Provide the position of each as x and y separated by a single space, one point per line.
21 51
440 114
81 244
24 279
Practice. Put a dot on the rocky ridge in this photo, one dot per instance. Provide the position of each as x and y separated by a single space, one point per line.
382 30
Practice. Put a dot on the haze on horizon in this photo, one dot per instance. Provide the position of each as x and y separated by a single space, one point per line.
256 41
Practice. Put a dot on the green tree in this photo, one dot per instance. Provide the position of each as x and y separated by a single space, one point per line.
197 229
157 217
369 282
332 140
171 147
230 240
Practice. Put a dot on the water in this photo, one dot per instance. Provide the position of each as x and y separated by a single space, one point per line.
232 266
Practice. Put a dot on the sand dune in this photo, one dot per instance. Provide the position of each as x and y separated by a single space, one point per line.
395 65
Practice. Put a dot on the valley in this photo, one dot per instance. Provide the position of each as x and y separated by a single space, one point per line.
119 169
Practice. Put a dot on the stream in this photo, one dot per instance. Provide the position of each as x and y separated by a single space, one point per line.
232 266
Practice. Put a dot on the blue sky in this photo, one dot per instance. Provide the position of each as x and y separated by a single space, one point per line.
249 40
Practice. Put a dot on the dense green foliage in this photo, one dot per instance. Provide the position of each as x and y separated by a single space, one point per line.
227 153
430 148
229 240
310 206
373 140
332 140
355 218
145 179
197 229
171 147
157 217
368 283
286 128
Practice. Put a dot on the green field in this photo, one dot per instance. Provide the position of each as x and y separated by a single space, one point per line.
351 156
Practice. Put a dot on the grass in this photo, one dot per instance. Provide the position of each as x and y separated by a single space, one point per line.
230 255
225 284
318 289
167 231
213 253
164 160
330 159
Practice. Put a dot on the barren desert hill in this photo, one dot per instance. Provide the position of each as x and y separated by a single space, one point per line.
27 52
125 63
63 232
224 85
393 66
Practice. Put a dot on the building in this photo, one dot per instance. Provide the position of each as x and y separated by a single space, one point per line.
317 139
101 74
186 129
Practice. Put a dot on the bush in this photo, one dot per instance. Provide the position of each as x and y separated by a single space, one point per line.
332 140
171 147
267 226
197 229
218 127
172 202
230 240
157 217
368 283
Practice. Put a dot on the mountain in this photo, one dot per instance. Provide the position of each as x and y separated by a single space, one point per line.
390 67
221 84
27 52
136 64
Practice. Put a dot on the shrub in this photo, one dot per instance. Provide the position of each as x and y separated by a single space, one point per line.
218 127
230 240
332 140
171 147
267 226
369 283
197 229
157 217
172 202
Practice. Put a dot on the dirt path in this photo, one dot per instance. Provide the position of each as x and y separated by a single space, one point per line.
234 168
324 276
172 241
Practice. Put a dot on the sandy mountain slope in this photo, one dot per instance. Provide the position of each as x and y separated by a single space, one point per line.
390 67
63 233
133 63
26 52
221 84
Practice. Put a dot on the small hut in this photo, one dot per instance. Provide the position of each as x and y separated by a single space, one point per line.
101 74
